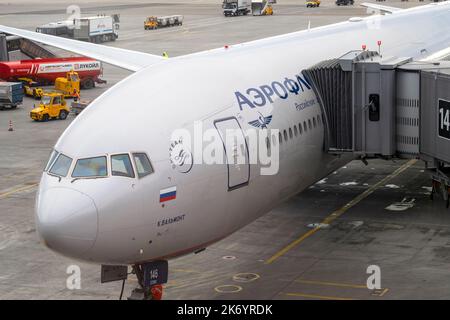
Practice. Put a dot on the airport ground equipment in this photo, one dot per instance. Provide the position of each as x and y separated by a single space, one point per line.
46 71
78 106
97 29
69 86
387 107
11 94
312 3
151 23
344 2
236 7
262 7
31 88
51 106
154 22
150 277
61 28
28 48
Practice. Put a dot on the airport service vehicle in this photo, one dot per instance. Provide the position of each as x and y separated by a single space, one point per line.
141 192
60 28
45 71
236 7
11 94
163 21
52 106
96 29
31 88
151 23
100 28
78 106
313 3
262 7
344 2
69 86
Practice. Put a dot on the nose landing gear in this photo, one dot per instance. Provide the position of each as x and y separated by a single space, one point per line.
150 277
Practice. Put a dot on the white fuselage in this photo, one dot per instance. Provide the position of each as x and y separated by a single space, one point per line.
120 220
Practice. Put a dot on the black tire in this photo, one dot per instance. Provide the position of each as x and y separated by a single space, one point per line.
62 115
45 118
13 107
88 83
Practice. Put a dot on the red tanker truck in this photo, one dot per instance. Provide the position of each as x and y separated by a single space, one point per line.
45 71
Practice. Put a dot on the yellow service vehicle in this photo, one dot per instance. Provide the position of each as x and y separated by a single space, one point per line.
52 106
262 7
68 86
30 88
151 23
269 11
312 3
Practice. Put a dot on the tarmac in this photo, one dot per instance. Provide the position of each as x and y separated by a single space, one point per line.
321 244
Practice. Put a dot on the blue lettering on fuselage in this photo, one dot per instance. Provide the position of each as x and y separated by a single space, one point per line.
260 96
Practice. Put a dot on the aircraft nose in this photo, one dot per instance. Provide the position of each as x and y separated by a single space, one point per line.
66 221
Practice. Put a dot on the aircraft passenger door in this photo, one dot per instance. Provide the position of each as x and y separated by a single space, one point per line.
236 152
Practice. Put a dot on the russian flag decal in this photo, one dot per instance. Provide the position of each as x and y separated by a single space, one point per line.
168 194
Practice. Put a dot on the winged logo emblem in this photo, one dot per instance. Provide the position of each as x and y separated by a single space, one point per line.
261 122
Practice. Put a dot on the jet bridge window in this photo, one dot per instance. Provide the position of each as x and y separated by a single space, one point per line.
90 167
121 166
61 166
143 165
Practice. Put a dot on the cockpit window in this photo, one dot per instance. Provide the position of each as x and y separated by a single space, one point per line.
121 166
61 166
53 156
90 167
143 165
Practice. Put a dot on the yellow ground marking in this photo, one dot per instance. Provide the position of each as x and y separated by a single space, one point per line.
23 188
332 284
314 296
380 292
336 214
228 288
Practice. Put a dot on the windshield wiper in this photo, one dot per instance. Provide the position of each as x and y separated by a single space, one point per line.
79 178
54 175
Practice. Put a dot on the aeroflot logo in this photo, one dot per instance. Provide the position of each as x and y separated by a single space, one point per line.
264 94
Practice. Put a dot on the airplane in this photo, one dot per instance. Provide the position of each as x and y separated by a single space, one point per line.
119 189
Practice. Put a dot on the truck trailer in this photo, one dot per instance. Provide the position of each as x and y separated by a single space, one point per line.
11 94
45 71
236 7
97 29
60 28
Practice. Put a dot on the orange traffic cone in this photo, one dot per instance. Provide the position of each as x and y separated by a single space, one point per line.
10 126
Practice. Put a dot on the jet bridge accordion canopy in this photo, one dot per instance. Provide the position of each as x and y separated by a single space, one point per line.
385 107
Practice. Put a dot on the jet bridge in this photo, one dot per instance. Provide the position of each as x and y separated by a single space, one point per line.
386 107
